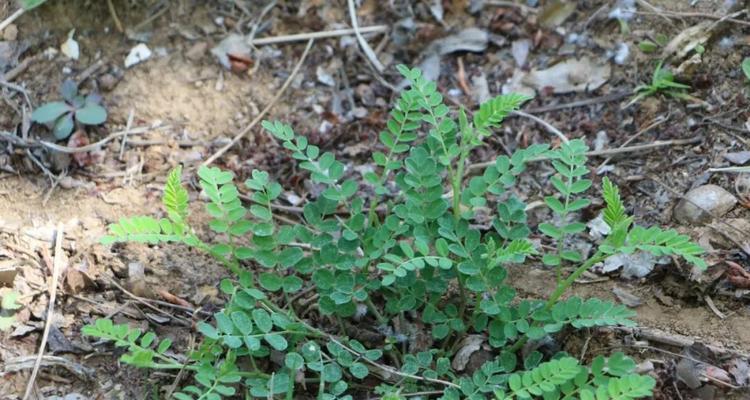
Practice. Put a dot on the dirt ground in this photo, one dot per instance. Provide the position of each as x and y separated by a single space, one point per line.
190 106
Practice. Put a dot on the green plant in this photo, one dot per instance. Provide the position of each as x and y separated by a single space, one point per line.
662 81
409 257
746 67
8 305
62 116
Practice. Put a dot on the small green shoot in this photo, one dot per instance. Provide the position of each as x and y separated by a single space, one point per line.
8 306
62 116
746 67
662 81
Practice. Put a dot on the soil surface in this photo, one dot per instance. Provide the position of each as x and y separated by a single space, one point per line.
184 106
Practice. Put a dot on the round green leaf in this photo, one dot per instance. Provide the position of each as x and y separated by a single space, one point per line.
242 322
276 341
294 361
270 281
69 89
331 372
49 112
262 320
359 370
91 114
63 126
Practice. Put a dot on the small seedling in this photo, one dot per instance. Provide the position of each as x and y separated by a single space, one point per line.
8 305
746 67
662 81
61 116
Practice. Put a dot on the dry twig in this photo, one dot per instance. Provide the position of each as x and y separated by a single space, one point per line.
56 266
607 152
362 42
299 37
263 113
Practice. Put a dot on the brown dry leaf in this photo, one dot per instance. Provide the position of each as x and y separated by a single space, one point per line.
8 272
555 12
80 139
626 297
737 275
687 40
469 345
570 76
170 298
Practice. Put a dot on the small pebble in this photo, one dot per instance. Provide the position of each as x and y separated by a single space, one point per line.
703 203
10 33
108 82
196 51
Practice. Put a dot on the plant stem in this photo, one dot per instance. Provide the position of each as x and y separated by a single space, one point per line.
561 288
564 285
374 310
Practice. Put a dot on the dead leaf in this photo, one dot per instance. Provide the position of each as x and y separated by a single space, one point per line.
739 157
469 345
470 39
8 272
570 76
169 297
555 12
690 38
626 297
737 275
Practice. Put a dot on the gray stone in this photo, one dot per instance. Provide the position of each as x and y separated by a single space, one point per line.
703 203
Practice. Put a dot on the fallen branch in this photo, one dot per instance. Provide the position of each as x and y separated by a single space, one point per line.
11 18
263 113
362 42
299 37
56 266
580 103
544 123
608 152
672 339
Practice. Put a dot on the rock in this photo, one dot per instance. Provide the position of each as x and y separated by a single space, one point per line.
138 54
196 51
703 203
108 82
740 157
10 33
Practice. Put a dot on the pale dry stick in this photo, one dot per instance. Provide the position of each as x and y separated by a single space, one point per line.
672 339
580 103
362 42
544 123
393 370
147 303
18 69
730 169
259 18
99 144
729 18
124 140
299 37
11 18
41 166
263 113
710 303
502 3
52 188
656 10
653 125
606 152
56 265
115 18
